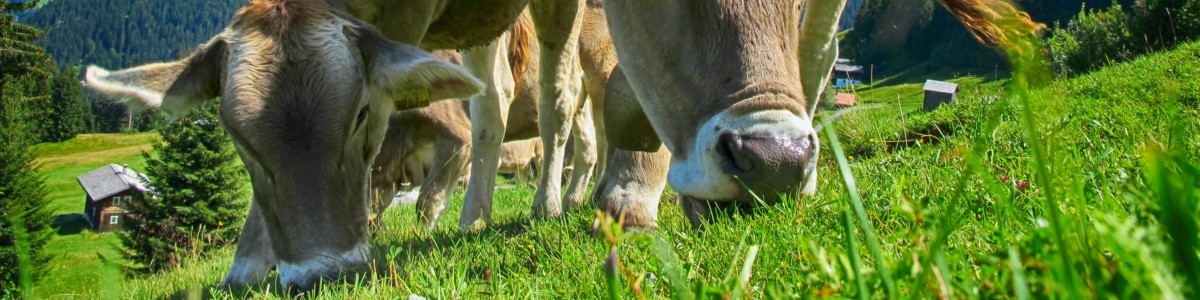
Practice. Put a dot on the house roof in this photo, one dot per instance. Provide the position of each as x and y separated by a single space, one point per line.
840 68
845 99
941 86
110 180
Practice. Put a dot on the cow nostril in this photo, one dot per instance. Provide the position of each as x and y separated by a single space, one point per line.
738 161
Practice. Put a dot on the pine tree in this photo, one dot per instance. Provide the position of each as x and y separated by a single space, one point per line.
70 113
199 192
24 218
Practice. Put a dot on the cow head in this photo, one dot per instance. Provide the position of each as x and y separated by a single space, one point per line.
305 95
720 82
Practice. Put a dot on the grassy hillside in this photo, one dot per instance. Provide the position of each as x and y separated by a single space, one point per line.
953 200
80 259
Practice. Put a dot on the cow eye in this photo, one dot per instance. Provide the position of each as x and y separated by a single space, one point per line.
362 116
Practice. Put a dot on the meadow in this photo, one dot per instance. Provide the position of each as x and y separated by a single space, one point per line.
1086 189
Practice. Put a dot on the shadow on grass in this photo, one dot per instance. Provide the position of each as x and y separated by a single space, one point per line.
69 224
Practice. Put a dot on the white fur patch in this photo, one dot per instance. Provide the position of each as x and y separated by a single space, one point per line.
699 174
300 272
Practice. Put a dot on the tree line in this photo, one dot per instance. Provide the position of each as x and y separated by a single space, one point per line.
1082 35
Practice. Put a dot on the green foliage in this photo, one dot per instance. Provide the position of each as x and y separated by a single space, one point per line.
1099 37
199 193
1165 23
24 219
70 113
65 113
1091 40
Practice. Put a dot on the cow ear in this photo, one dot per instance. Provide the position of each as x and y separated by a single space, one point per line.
412 77
175 87
818 48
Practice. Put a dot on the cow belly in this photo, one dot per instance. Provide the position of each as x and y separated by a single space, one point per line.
470 23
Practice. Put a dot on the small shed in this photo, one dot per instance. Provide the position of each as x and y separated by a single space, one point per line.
938 92
846 74
846 100
110 191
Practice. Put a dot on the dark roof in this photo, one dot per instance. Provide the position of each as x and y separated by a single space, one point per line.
941 86
110 180
845 99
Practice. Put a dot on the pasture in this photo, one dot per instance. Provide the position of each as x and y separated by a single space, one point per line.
954 203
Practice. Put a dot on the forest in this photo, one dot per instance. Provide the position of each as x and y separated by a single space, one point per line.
123 33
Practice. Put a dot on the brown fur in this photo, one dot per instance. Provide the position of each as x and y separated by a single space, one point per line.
995 23
274 17
520 40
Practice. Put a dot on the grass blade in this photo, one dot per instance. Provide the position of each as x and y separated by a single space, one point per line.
1020 285
859 210
852 246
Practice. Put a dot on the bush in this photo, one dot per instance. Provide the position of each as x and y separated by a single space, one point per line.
1091 40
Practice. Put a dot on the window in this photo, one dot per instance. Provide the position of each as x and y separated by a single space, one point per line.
128 200
116 200
114 219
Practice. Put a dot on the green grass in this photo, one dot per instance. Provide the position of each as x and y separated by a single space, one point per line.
949 209
76 269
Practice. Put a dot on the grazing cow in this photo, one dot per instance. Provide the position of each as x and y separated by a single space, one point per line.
306 92
459 24
729 88
445 130
405 171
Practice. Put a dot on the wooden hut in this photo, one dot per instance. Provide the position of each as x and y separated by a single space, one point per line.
938 92
111 190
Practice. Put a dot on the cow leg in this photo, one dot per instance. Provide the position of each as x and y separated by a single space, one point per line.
254 258
603 152
557 23
584 158
488 112
632 186
449 161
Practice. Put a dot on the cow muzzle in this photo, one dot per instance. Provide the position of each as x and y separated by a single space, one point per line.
760 156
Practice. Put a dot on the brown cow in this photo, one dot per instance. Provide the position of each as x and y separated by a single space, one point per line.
729 88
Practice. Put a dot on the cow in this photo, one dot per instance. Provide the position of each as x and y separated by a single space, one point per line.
729 88
306 87
443 131
397 177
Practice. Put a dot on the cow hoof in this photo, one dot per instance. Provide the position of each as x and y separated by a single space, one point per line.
247 272
304 276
